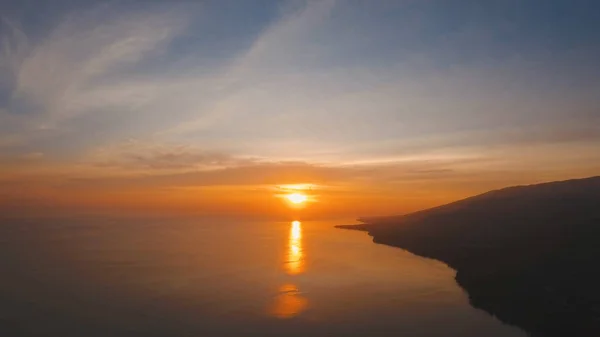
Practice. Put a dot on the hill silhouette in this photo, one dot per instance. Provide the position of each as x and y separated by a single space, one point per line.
529 255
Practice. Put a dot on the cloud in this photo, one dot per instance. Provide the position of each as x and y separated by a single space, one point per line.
82 51
13 48
79 67
246 85
193 169
294 93
135 155
32 156
286 42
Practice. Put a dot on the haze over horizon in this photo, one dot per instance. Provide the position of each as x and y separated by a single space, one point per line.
220 107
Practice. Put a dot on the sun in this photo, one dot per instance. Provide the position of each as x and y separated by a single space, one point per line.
296 198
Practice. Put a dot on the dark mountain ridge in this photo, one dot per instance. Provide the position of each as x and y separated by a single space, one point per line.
529 255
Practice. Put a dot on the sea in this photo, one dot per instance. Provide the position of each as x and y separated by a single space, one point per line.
106 277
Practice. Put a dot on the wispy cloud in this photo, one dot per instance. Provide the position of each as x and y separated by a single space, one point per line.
245 86
273 98
77 69
155 157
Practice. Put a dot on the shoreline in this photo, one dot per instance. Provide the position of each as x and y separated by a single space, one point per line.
514 297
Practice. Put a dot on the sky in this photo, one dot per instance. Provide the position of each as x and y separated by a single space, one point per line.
222 107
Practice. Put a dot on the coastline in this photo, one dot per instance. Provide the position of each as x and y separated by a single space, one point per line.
515 294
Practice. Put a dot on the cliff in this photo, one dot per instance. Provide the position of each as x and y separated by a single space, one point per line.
530 255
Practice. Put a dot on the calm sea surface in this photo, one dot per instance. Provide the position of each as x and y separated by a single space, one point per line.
215 278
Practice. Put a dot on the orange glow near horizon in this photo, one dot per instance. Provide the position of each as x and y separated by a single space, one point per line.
247 201
339 200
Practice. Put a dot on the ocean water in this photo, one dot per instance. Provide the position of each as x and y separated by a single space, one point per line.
134 277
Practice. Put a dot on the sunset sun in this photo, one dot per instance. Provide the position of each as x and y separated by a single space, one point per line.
296 198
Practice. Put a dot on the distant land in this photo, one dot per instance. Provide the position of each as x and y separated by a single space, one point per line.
529 255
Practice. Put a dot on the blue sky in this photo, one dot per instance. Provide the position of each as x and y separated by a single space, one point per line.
161 86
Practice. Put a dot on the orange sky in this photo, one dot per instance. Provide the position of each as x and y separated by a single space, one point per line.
257 190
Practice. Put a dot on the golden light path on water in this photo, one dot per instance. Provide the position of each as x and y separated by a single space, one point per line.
289 301
295 259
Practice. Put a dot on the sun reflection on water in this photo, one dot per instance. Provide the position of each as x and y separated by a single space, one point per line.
289 302
295 256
